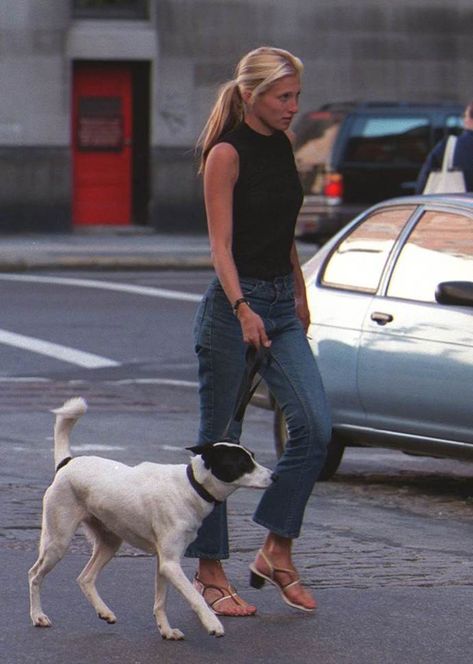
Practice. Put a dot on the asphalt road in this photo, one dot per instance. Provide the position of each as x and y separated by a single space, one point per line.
386 545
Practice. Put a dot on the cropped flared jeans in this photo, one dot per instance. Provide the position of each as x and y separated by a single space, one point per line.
293 379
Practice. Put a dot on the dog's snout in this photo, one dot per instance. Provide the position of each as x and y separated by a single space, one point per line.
274 477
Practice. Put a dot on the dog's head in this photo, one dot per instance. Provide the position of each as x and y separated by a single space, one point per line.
233 464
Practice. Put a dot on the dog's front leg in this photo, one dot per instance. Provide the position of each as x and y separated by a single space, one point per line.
161 587
172 571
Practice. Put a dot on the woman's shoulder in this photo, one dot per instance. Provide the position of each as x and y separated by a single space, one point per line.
224 150
223 159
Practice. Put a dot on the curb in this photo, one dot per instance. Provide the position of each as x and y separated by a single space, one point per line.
106 263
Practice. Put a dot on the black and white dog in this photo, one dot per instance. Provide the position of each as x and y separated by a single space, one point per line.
157 508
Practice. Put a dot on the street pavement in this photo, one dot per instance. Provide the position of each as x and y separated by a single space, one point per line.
402 597
352 626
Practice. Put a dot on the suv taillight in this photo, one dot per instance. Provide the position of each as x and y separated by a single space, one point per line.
333 188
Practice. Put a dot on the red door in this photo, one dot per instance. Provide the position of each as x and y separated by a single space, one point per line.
102 138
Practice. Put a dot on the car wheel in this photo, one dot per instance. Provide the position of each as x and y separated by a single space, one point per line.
334 451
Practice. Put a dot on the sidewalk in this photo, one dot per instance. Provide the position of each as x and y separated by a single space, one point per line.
109 248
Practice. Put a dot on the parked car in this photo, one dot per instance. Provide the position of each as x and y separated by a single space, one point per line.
353 155
391 301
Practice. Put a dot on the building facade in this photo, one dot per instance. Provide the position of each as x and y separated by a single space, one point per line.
102 100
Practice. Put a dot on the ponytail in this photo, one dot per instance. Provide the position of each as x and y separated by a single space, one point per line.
226 114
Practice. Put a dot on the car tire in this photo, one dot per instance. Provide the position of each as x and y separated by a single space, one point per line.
335 448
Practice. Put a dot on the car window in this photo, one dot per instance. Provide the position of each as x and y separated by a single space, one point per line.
454 122
440 248
359 260
389 139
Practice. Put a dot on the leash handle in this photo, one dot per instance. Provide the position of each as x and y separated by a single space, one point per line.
255 359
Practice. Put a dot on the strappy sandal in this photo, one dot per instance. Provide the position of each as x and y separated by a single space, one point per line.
227 592
258 579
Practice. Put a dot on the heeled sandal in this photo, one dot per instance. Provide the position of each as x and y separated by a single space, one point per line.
227 592
258 579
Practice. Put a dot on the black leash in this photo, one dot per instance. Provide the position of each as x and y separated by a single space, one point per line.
256 359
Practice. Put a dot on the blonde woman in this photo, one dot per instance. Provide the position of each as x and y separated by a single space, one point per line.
252 197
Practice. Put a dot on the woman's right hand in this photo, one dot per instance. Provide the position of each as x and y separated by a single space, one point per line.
252 327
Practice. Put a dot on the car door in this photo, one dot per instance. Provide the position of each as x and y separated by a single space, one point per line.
339 300
415 370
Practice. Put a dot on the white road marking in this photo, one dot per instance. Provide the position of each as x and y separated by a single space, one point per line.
149 291
59 352
127 381
156 381
63 353
96 447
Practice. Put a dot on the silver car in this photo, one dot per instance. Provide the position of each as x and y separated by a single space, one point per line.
391 300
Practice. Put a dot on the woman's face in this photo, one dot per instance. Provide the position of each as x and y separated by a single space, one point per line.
274 109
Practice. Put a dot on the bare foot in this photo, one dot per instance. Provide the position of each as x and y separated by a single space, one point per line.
215 588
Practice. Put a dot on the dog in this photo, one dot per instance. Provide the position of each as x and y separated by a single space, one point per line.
155 507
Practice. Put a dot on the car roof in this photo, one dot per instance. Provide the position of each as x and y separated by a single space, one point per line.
373 106
343 109
454 200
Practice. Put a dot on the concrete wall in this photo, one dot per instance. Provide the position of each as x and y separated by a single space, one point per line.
372 49
34 116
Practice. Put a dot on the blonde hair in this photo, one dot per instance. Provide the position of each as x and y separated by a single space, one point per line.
256 72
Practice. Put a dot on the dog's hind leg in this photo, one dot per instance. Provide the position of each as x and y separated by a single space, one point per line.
161 587
105 544
58 528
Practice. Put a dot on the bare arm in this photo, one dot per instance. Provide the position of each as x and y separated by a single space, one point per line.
220 176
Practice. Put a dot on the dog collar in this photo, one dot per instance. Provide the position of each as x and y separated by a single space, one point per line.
203 493
63 463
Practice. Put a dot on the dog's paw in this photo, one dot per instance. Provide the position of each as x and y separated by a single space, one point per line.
41 620
108 616
215 628
171 634
217 633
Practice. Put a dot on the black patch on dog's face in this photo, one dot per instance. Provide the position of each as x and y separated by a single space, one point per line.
227 462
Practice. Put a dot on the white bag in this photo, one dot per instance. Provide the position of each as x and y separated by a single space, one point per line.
448 180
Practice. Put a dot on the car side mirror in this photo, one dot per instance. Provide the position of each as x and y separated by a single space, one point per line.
459 293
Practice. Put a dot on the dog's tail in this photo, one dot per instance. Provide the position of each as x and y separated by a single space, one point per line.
66 417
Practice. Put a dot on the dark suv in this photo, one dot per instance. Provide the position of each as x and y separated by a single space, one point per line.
352 155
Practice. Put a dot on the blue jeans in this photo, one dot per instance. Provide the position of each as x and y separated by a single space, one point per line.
294 380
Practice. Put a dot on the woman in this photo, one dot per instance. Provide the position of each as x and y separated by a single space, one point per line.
462 157
252 197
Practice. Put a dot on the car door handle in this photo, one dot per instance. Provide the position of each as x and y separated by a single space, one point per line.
381 318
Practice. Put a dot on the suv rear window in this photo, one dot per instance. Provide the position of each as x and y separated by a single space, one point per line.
389 139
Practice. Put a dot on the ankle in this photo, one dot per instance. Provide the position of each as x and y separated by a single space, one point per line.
210 569
277 546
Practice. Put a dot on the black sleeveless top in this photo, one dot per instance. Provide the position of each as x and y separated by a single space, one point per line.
266 201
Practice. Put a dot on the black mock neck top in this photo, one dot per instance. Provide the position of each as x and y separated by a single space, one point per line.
266 201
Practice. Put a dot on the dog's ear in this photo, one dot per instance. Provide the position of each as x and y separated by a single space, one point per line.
200 449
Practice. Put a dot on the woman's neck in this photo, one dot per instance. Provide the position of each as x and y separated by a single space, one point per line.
257 125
